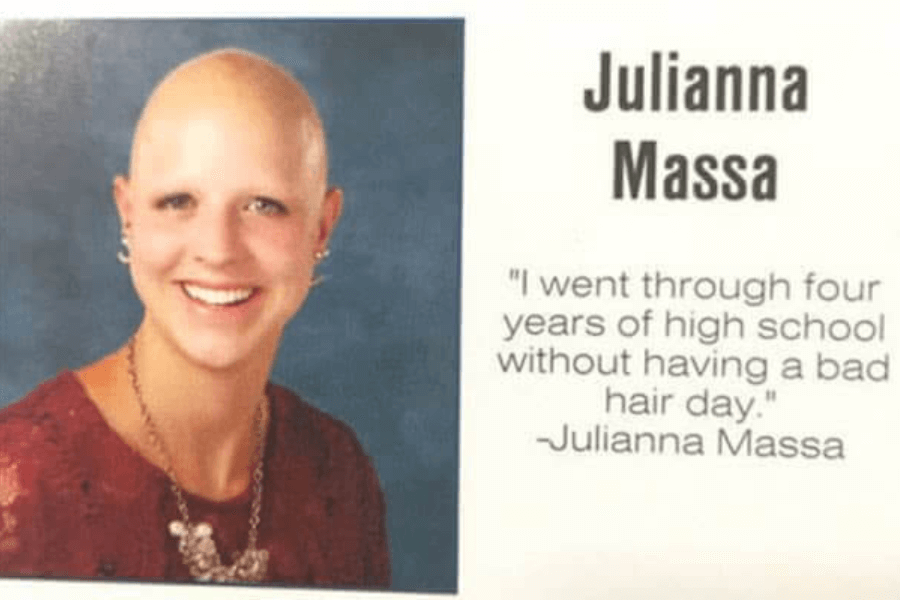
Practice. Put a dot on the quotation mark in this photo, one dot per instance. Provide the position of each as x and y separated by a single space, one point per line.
520 276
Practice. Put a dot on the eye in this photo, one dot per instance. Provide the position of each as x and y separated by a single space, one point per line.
266 206
174 202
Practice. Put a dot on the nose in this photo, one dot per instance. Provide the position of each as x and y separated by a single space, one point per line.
217 237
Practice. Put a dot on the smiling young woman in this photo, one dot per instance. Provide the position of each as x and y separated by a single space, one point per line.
178 437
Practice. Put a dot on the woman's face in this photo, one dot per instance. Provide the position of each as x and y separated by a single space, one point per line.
223 218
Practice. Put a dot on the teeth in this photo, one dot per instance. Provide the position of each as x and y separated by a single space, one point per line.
217 297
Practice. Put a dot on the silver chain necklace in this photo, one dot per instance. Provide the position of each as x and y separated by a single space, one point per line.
198 549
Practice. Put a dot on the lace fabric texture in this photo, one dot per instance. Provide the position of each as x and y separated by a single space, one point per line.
70 488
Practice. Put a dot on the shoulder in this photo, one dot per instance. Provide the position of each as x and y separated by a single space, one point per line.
301 418
307 437
35 458
327 476
42 436
309 429
40 416
37 433
314 450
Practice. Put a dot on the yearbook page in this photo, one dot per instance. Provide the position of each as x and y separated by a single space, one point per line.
612 307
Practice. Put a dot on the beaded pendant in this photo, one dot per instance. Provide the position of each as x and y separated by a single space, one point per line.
202 558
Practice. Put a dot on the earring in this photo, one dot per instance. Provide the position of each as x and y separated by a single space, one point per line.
124 254
319 256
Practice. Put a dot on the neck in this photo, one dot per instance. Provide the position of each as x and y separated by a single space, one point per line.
204 416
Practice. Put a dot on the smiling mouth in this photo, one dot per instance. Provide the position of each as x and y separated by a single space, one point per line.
214 297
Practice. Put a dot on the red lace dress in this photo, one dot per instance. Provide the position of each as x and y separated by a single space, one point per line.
76 501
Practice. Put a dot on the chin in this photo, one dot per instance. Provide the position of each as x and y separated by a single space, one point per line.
219 339
217 359
222 352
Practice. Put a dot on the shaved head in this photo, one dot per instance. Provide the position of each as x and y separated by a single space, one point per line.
251 91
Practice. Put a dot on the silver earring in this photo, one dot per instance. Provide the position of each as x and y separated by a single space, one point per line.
319 256
124 253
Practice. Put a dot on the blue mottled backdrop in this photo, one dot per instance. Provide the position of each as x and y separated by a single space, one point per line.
376 345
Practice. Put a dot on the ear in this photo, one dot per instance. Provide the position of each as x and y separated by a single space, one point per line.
330 213
121 190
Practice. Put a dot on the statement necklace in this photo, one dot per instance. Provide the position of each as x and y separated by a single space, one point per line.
198 549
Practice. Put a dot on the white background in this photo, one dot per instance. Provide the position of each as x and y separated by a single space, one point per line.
537 194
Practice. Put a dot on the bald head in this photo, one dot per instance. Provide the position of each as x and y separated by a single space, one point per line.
242 90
